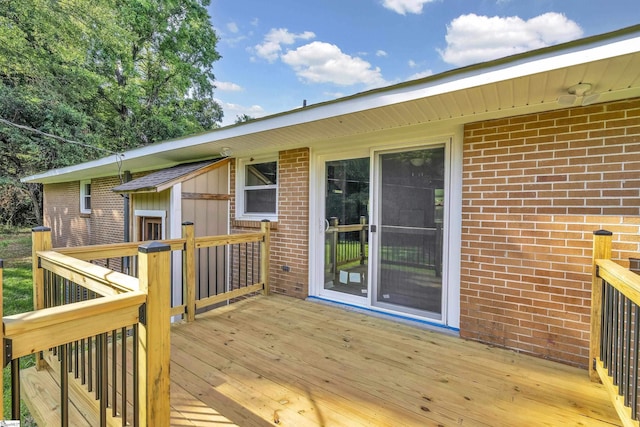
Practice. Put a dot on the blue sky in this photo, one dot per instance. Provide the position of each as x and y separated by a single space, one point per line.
277 53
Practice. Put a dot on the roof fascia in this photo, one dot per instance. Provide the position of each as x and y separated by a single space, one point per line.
577 52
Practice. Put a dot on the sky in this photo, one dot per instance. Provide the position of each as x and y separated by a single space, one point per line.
277 54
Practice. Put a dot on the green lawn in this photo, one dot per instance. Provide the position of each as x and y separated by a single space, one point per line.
17 291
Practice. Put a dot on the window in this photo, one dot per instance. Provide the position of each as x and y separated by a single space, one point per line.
85 196
259 187
150 224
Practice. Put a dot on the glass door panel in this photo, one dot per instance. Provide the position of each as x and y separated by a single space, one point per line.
346 241
409 258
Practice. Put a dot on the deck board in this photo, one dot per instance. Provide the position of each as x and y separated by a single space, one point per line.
308 364
276 360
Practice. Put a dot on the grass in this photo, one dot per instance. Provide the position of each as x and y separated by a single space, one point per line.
17 291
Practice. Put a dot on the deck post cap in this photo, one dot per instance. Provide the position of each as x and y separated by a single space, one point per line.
150 247
602 233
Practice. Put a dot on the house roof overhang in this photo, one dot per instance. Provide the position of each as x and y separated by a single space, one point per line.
521 84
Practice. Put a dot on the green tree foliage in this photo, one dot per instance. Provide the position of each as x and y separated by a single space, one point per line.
112 74
243 118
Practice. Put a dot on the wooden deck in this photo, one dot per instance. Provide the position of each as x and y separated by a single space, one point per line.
277 360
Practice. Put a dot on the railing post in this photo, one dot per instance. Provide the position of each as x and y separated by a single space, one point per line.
334 222
189 282
154 342
40 241
265 227
601 250
363 239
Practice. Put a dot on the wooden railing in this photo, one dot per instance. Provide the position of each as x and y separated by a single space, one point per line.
240 269
106 333
83 310
346 243
614 349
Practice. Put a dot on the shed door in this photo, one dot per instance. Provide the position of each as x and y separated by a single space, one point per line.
407 231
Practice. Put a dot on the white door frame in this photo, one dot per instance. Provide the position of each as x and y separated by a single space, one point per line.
452 223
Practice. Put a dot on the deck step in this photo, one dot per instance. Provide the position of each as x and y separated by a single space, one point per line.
40 390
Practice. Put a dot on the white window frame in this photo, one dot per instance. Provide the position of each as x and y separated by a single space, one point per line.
84 196
241 187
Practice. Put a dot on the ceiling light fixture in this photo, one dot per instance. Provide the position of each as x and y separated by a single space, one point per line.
580 90
226 152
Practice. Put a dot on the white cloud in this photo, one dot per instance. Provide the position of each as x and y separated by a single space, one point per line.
271 47
381 53
412 63
232 111
320 62
232 27
404 6
228 87
472 38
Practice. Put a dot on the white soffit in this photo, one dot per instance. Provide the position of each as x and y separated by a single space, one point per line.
529 82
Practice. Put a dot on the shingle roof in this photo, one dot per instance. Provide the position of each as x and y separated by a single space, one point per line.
156 180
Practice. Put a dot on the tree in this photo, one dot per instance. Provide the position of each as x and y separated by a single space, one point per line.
243 118
111 74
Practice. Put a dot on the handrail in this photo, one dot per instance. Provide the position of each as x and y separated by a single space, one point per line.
49 327
624 280
114 250
94 277
614 348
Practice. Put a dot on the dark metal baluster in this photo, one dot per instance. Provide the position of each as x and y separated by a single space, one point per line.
136 382
104 379
15 389
627 356
217 270
83 362
616 327
603 321
123 374
64 387
620 347
90 363
636 355
606 359
246 264
114 373
208 271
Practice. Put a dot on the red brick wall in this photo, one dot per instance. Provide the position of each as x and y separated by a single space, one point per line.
534 189
290 238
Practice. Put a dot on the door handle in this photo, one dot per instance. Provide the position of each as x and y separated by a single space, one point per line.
373 228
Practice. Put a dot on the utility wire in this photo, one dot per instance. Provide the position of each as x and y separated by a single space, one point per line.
119 156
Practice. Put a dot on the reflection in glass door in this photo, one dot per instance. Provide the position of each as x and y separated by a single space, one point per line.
346 241
410 215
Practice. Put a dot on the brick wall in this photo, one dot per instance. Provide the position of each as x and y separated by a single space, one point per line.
534 189
290 238
62 214
69 227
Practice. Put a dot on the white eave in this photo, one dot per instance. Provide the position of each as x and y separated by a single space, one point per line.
521 84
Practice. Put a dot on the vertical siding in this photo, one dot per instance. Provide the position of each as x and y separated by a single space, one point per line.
534 189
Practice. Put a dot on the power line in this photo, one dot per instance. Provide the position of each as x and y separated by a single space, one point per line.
59 138
119 156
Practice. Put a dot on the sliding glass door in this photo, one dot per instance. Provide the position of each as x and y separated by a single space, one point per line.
410 202
346 240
